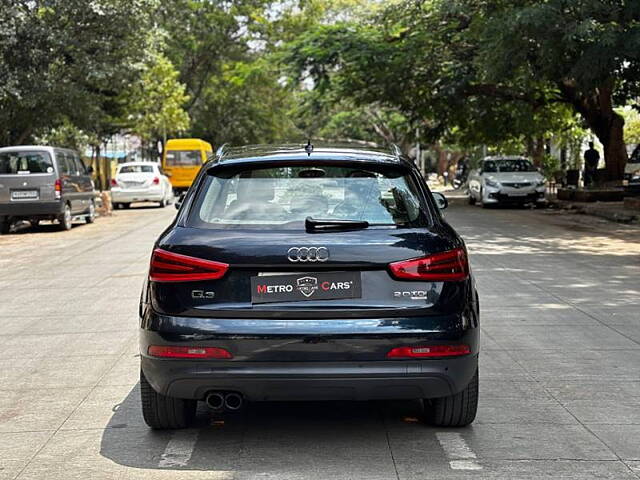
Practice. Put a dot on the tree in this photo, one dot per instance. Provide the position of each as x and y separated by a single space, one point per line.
487 70
246 104
585 50
67 60
155 103
202 36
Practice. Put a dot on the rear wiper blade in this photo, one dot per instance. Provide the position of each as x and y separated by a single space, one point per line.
316 224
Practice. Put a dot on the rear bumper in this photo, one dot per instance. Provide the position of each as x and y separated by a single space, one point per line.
310 360
31 209
118 196
265 381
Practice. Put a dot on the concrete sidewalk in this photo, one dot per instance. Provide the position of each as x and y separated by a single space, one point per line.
614 211
620 212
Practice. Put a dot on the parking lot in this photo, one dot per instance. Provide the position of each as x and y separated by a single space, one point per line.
560 367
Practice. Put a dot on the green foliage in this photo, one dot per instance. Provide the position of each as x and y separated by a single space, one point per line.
245 104
155 103
485 72
631 125
66 135
550 166
67 60
506 74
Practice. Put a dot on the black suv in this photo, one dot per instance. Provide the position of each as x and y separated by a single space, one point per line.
293 273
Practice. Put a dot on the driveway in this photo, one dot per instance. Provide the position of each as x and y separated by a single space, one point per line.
560 367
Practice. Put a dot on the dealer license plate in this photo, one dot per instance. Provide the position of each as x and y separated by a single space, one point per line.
306 286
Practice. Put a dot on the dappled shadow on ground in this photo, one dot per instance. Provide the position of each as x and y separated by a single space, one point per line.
533 257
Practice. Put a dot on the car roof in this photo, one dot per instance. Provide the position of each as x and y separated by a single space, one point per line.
43 148
187 143
129 164
296 152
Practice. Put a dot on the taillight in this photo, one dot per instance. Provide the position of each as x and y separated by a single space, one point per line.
58 188
173 267
188 352
114 182
432 351
439 267
156 180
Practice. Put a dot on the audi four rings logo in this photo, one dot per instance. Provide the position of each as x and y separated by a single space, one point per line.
308 254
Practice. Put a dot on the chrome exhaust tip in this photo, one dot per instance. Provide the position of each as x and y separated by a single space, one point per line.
215 401
233 401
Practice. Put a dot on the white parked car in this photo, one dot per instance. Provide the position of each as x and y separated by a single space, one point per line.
506 180
140 182
631 181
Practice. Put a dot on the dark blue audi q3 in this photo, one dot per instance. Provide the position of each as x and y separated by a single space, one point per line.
301 273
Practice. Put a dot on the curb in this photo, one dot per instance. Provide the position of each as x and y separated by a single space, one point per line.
618 215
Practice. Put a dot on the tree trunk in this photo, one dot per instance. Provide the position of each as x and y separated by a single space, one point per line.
99 168
538 152
597 110
24 136
611 135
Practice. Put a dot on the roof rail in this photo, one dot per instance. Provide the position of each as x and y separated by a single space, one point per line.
221 151
395 151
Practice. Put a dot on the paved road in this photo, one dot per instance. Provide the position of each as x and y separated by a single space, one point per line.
560 367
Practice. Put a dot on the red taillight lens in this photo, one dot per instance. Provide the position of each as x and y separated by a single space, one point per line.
173 267
440 267
188 352
114 183
156 180
58 188
432 351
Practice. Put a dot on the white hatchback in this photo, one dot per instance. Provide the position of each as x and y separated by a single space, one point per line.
140 182
506 180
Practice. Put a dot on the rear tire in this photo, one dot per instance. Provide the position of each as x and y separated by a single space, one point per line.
5 226
163 203
161 412
66 220
457 410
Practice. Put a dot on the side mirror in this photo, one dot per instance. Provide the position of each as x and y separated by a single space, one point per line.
441 200
179 201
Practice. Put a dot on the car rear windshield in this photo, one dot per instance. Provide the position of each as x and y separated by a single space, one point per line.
183 158
25 163
137 169
283 197
506 166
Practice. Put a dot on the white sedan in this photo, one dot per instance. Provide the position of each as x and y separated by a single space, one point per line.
506 180
140 182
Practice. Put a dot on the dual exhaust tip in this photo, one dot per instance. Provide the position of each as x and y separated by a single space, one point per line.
219 401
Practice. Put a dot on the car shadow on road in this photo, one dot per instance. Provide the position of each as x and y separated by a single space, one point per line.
262 438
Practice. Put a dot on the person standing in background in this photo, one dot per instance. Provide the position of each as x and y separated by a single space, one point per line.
591 159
